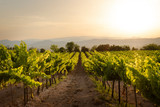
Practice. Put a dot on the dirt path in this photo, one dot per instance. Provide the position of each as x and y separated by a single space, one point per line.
77 90
6 96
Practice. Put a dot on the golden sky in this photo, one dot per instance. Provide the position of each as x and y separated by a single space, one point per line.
44 19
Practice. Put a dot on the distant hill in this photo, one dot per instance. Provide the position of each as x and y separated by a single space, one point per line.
9 43
83 41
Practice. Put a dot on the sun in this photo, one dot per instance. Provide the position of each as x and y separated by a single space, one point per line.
132 16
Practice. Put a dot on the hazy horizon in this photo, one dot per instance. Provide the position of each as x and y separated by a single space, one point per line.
38 19
95 37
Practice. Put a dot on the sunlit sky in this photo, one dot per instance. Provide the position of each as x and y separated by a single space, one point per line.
45 19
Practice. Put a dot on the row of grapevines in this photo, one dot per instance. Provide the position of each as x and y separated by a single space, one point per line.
138 68
20 65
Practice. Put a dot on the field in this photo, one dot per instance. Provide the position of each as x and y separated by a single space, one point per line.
79 79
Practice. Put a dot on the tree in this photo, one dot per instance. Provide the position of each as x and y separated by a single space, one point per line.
93 48
76 48
151 47
62 49
70 46
119 48
133 48
84 49
125 48
103 47
42 50
115 48
54 48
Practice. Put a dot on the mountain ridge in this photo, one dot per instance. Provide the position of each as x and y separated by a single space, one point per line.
83 41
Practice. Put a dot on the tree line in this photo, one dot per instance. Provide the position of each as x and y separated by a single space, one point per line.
73 47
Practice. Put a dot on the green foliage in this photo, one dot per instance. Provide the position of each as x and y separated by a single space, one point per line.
137 68
76 48
42 50
151 47
84 49
72 62
107 47
62 49
54 48
70 46
93 48
21 65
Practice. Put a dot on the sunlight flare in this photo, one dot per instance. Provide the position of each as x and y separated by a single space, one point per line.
132 16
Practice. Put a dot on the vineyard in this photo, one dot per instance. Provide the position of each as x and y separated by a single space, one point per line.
67 77
29 67
140 69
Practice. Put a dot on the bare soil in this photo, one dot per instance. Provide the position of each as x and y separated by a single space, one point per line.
77 90
141 101
12 96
